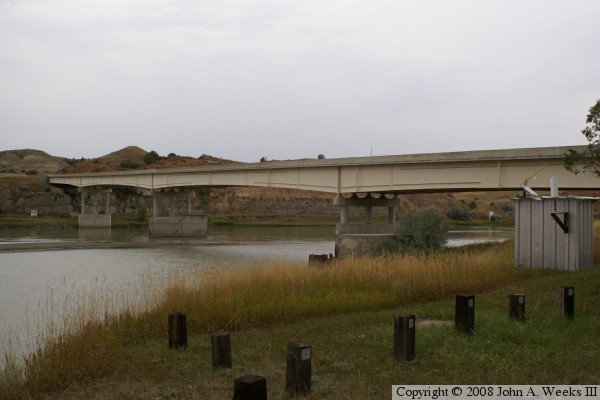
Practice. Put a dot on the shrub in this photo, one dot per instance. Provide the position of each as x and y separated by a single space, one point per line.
142 213
129 164
421 231
151 157
459 214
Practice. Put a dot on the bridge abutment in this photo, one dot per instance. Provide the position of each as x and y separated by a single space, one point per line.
367 238
176 224
90 217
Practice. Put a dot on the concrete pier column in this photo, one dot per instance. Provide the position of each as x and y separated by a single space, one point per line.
344 215
182 224
93 219
83 198
172 207
391 215
354 240
154 204
368 215
190 195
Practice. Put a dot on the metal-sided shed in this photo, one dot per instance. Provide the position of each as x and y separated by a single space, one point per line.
553 232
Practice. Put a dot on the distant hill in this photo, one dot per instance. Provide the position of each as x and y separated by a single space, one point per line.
30 162
133 157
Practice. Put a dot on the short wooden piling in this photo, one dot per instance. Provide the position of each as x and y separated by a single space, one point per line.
516 307
464 316
298 371
250 387
404 337
177 331
320 259
221 349
566 301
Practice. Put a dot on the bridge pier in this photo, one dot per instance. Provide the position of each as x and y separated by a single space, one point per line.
354 240
174 225
91 218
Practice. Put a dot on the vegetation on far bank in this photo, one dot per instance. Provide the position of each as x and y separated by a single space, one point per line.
120 221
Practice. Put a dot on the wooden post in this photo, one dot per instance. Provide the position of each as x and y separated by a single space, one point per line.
464 317
516 307
298 369
250 387
404 337
221 349
177 330
566 301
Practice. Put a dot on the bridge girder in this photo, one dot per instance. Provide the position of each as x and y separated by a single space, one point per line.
417 173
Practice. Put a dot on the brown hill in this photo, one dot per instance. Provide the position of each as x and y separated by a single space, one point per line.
31 162
133 157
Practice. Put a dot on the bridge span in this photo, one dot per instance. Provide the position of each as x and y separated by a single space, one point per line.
380 177
413 173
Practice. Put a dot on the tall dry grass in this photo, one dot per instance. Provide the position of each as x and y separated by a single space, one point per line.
71 337
92 340
263 294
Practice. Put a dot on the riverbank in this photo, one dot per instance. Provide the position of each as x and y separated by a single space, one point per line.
351 343
345 312
120 222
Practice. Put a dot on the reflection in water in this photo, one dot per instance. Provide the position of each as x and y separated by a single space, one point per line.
470 235
31 280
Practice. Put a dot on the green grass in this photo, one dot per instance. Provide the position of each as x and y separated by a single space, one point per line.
346 313
19 221
14 221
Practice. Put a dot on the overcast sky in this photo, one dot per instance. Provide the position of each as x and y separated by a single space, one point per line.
283 79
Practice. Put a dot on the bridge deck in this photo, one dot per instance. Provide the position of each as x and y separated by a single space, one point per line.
414 173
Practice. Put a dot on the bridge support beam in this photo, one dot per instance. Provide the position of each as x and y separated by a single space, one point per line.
90 217
176 224
367 238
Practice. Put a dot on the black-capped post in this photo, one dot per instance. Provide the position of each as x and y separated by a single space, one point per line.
516 307
250 387
566 301
177 331
298 369
404 337
464 316
221 349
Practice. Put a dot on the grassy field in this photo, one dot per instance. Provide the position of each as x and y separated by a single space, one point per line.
345 312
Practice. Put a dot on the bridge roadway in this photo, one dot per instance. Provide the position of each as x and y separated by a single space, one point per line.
483 170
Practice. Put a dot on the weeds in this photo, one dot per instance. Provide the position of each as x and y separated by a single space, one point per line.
99 339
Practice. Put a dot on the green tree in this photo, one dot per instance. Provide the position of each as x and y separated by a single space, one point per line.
589 159
420 231
151 157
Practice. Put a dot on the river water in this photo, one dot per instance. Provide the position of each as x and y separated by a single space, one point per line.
35 284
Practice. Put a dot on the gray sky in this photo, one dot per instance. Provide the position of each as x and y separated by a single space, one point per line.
286 79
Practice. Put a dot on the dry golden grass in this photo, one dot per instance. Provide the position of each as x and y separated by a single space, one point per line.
261 294
93 338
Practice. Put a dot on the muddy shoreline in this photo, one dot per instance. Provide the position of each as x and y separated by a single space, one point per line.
79 245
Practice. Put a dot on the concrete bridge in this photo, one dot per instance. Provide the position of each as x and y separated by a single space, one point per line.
377 179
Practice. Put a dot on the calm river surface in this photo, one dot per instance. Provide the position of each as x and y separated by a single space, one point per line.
33 282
